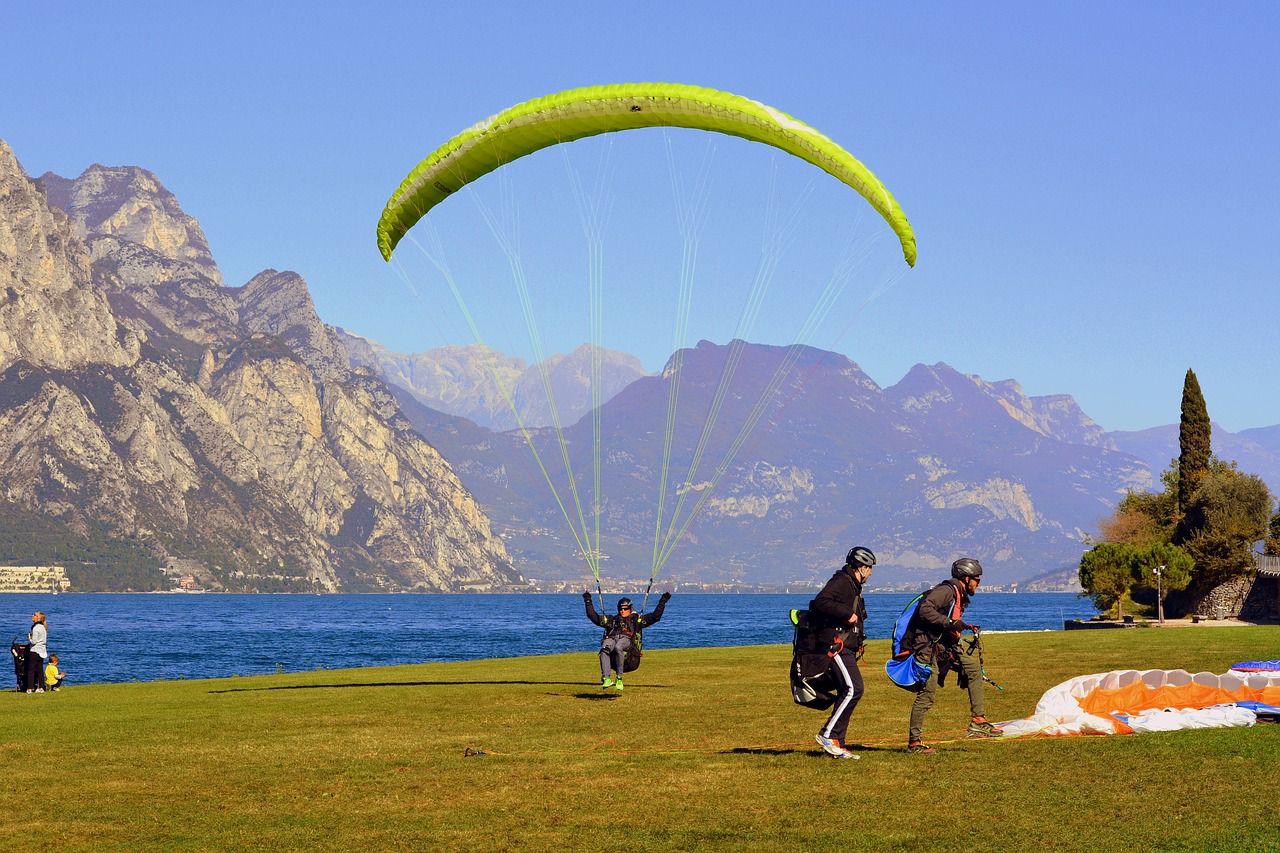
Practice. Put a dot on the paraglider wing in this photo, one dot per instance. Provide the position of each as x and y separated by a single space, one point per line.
1257 666
1127 701
577 113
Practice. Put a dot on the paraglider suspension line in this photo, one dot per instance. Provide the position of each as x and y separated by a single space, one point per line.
976 643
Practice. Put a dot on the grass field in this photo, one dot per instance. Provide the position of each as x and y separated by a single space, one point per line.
703 751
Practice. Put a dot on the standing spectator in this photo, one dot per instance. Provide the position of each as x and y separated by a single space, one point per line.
38 653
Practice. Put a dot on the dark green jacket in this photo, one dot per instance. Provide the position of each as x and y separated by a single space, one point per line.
617 625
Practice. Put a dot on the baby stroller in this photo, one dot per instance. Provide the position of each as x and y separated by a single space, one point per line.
20 649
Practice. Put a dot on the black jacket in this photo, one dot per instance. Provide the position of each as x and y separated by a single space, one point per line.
616 625
932 623
831 609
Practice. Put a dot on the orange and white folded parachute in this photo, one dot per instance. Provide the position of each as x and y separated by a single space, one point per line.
1153 700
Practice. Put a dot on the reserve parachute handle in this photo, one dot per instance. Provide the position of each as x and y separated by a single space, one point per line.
578 113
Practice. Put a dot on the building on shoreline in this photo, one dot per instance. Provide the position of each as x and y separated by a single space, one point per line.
34 579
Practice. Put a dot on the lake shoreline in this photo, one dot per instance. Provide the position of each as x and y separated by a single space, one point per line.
121 637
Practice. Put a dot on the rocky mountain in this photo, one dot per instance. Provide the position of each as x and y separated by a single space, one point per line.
132 205
938 465
497 392
221 427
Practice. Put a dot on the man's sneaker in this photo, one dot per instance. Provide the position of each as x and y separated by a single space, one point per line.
618 684
982 728
606 683
832 747
920 749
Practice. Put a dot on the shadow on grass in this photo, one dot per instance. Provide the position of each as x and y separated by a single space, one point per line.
428 684
763 750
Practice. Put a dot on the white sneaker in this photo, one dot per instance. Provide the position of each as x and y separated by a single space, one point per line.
831 746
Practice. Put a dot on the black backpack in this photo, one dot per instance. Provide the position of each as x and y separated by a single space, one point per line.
812 683
632 661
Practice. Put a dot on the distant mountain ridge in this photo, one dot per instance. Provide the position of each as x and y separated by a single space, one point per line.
1256 451
955 464
938 465
494 391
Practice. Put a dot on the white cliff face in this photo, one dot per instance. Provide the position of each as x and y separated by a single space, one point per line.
132 205
49 315
1001 498
223 427
764 487
272 409
279 304
173 296
402 475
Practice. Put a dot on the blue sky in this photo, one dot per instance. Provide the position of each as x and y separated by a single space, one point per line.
1093 185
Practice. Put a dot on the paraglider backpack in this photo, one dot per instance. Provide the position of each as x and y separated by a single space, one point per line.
903 669
812 684
632 661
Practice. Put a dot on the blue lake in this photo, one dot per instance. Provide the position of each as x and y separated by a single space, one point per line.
125 637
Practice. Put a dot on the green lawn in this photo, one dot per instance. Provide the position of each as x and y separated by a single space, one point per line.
703 751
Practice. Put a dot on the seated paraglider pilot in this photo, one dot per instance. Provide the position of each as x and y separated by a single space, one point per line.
621 634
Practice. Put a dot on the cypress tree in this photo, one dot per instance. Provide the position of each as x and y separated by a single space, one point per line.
1193 447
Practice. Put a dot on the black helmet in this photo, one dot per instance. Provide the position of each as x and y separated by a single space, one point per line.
624 602
860 556
966 567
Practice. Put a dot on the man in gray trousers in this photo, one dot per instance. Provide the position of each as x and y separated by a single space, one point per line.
933 634
621 632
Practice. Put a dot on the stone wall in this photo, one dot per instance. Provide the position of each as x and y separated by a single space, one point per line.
1240 598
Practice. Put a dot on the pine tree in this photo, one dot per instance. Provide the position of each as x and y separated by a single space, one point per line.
1193 447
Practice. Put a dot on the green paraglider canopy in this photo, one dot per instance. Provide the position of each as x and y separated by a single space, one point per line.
577 113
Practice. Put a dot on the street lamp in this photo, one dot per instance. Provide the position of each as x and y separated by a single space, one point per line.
1158 570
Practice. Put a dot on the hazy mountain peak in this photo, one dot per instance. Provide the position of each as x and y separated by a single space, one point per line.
497 391
945 392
